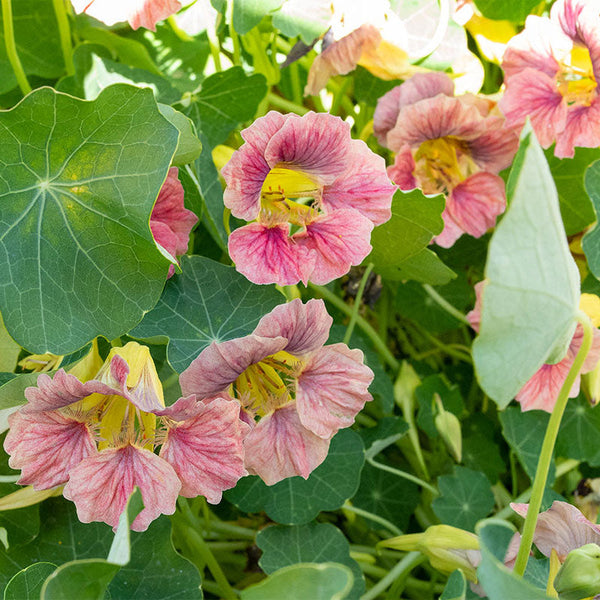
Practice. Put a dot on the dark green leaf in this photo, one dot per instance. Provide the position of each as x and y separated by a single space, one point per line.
315 542
27 583
207 302
424 266
368 88
296 500
456 587
465 498
482 454
82 579
75 238
387 431
579 432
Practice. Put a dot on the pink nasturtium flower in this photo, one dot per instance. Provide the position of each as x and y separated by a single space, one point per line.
455 145
170 222
541 391
138 13
98 439
300 391
312 195
552 70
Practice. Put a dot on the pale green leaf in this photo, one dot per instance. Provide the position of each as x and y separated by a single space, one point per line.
9 350
27 583
591 240
532 290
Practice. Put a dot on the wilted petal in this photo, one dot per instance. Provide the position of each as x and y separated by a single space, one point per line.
318 144
46 446
337 241
139 13
170 222
279 447
533 94
305 326
561 527
472 208
101 484
418 87
206 449
364 186
332 389
267 255
221 363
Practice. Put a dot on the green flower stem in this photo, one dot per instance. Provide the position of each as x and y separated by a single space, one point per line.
370 569
339 95
376 518
65 35
286 104
228 546
188 529
11 47
424 586
541 473
215 47
295 79
237 57
362 323
383 552
562 469
404 475
213 588
445 304
402 569
357 301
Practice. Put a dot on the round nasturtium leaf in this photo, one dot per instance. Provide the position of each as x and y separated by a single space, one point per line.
79 181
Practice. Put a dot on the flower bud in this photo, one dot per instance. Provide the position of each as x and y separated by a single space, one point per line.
448 427
579 576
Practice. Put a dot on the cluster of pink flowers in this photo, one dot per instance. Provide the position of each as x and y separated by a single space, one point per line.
541 391
455 145
268 403
312 195
552 69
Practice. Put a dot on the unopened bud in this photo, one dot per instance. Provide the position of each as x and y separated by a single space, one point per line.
579 576
448 427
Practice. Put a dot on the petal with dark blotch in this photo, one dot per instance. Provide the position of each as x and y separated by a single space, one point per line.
221 363
562 527
46 446
332 389
337 241
268 255
279 447
206 450
305 325
100 486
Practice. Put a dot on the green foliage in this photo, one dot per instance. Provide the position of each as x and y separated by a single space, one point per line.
532 292
515 10
465 498
115 271
483 454
188 146
27 583
208 302
449 395
307 20
326 581
315 542
9 350
456 587
249 13
591 240
295 500
579 431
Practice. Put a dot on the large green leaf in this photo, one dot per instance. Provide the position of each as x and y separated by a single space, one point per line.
208 302
9 350
79 180
401 243
591 240
499 582
37 39
465 497
579 432
296 500
326 581
532 293
575 206
309 20
249 13
456 587
315 542
225 100
27 583
515 10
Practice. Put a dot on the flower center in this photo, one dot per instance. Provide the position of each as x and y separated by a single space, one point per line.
268 384
441 164
576 81
289 196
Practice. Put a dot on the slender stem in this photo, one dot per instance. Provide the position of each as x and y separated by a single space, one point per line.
295 79
286 104
362 323
404 567
513 472
445 304
199 546
376 518
11 47
214 45
233 530
339 96
541 473
237 57
404 475
357 301
65 35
